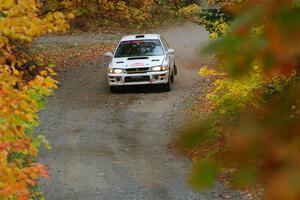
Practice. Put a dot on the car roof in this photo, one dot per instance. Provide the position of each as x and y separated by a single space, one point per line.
141 37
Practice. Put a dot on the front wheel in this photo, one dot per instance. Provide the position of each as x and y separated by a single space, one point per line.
167 86
175 69
114 89
172 78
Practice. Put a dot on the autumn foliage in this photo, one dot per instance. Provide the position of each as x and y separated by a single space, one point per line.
126 13
255 99
23 87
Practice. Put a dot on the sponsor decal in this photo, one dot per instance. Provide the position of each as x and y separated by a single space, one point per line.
138 64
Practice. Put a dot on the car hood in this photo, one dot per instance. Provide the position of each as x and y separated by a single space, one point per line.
137 62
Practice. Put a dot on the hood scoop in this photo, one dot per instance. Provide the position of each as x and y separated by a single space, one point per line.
138 58
119 62
155 60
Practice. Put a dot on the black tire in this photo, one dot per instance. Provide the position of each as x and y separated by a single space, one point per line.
114 89
175 69
172 78
167 86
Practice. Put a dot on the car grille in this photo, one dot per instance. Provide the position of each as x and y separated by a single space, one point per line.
137 70
137 79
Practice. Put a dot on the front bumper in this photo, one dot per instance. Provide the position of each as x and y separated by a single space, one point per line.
161 77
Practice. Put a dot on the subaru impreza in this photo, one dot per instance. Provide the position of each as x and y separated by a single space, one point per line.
141 60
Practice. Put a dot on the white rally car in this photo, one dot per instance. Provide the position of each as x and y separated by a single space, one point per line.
140 60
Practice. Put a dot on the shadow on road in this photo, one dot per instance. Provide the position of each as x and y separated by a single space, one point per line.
138 89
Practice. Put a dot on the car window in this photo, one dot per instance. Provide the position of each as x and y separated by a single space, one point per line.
139 48
165 44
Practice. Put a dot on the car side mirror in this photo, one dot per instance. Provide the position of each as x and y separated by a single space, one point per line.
109 54
171 51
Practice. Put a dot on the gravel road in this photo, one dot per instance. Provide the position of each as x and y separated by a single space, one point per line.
114 146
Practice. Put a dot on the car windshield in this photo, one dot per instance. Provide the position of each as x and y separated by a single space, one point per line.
139 48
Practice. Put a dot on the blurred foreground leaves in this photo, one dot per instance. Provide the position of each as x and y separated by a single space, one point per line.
255 100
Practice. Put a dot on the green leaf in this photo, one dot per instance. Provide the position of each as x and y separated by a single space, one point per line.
204 174
41 140
2 14
196 135
51 65
245 177
2 119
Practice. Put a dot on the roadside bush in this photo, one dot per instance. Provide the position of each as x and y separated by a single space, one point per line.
215 20
189 10
113 13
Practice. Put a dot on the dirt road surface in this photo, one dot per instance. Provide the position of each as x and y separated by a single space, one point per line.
114 146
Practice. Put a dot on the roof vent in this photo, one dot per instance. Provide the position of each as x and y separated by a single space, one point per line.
140 36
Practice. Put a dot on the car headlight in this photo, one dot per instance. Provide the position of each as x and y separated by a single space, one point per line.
159 68
115 71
